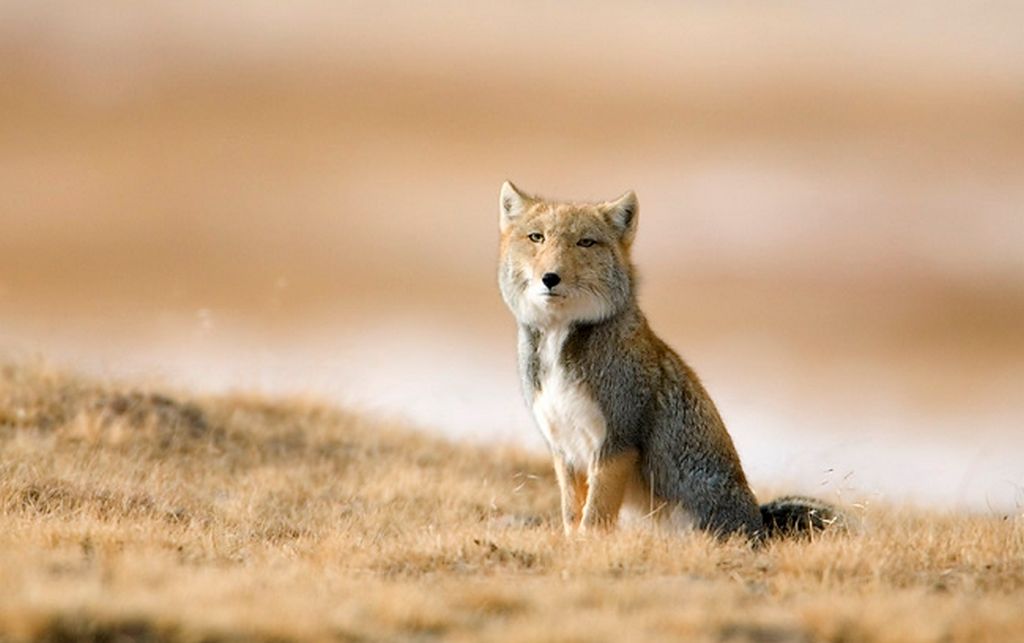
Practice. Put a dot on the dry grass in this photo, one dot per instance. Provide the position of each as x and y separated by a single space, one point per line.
130 515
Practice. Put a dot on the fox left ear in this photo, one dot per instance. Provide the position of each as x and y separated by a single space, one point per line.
511 204
623 213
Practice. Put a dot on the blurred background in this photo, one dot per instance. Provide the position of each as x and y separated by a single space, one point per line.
301 199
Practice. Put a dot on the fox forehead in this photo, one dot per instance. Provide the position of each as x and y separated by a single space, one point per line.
570 219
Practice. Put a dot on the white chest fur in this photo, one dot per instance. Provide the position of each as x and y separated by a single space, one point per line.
567 414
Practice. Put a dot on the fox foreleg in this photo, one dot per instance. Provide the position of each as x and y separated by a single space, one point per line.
573 485
607 478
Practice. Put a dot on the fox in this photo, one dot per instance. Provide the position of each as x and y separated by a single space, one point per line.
631 430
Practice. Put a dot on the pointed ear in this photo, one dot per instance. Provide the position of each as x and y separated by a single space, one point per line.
511 204
623 213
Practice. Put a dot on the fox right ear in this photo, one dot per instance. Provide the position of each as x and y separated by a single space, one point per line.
622 213
511 204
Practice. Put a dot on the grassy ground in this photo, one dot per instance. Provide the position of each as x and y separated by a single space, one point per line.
127 514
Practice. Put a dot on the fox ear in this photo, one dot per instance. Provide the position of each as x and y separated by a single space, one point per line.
623 213
511 204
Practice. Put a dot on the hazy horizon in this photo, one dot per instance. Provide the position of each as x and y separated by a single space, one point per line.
301 200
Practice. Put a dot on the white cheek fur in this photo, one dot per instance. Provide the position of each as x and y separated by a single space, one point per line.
535 308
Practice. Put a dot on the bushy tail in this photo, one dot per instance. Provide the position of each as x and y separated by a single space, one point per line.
800 516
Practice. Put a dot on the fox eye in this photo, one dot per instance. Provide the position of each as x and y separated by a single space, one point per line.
535 237
585 243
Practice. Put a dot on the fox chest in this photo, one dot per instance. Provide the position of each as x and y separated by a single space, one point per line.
566 412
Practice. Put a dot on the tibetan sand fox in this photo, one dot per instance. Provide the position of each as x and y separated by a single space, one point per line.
630 426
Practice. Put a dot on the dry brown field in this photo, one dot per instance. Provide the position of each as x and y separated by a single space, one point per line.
133 513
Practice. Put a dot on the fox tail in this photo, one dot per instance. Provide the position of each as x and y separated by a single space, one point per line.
800 516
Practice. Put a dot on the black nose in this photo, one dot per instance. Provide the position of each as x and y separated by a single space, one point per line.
551 280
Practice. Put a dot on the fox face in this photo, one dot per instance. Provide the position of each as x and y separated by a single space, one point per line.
565 262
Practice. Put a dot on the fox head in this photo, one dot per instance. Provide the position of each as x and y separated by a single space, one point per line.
565 262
